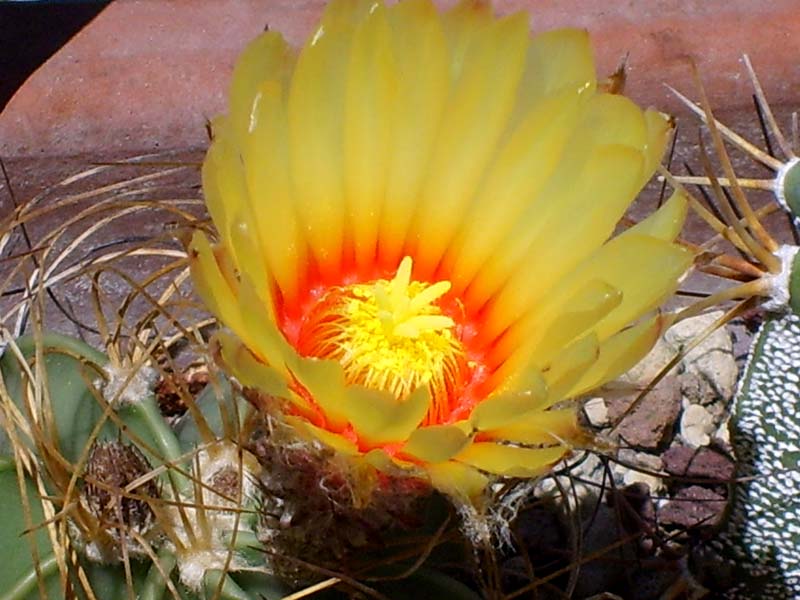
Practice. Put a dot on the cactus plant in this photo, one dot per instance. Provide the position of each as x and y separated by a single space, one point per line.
192 515
758 547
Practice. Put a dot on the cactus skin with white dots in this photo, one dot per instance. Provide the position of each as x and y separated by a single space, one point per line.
762 539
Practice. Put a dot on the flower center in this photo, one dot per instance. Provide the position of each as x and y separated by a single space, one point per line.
390 335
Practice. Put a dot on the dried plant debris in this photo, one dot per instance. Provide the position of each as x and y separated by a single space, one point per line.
117 506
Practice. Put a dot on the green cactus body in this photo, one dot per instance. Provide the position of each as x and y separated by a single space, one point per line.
763 533
194 534
787 186
17 571
69 368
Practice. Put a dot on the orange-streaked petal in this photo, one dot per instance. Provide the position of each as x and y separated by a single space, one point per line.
422 61
369 112
316 122
481 103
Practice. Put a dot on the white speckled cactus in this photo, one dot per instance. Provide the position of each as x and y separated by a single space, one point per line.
763 535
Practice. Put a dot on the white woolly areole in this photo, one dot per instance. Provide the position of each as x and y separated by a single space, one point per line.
780 187
778 284
224 456
204 524
123 387
205 547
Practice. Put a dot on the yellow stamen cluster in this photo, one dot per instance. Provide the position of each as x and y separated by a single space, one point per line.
389 335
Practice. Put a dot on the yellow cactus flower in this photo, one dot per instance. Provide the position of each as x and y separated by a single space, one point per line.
415 254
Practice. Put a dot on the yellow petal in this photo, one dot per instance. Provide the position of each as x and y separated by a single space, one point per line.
370 106
378 458
456 480
614 119
312 432
380 418
266 158
463 24
436 443
569 366
646 270
659 128
618 354
268 57
249 371
501 409
567 233
227 198
559 60
344 15
542 428
324 381
223 184
481 103
667 221
641 270
251 264
422 62
210 284
564 315
510 461
519 380
260 333
513 183
585 308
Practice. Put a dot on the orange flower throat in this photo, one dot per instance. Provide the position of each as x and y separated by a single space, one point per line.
391 335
